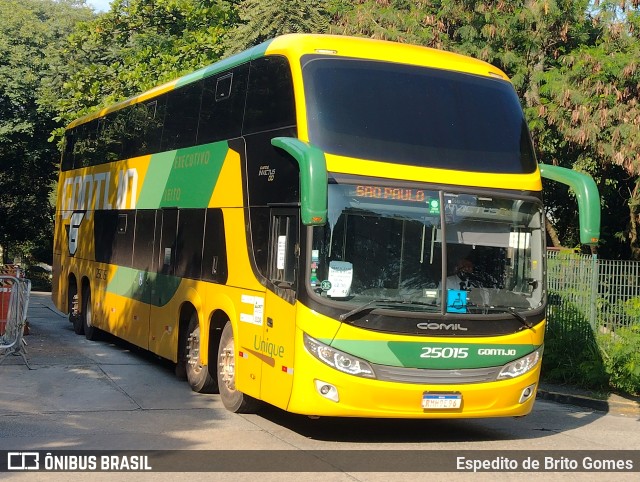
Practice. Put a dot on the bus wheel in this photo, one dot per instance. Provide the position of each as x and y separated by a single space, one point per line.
75 317
232 399
198 374
90 332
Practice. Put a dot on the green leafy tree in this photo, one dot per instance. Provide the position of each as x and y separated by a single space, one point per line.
590 106
574 65
261 20
136 45
31 31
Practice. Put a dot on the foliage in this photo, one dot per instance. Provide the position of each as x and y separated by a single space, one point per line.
574 66
261 20
136 45
621 354
581 365
31 32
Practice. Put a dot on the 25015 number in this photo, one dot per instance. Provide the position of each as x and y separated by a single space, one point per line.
444 352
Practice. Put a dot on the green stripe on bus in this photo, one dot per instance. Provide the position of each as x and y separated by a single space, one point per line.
153 288
183 178
225 64
433 355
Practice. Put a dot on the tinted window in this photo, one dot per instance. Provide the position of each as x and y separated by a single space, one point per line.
144 240
144 128
67 156
223 106
167 253
189 243
181 117
214 258
112 129
414 115
85 147
270 102
113 234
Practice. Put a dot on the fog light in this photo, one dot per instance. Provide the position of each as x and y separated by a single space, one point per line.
527 393
327 390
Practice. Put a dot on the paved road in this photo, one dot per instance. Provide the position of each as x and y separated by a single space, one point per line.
106 395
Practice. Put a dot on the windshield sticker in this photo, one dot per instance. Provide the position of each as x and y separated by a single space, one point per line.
340 276
315 258
282 251
456 301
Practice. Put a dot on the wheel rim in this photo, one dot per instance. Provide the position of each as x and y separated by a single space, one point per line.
228 366
193 351
87 316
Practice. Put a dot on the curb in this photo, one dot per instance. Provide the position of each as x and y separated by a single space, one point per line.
593 403
610 406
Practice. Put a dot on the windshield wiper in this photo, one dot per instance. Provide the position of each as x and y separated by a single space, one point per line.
346 315
360 308
519 317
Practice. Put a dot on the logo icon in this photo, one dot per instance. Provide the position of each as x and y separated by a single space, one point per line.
74 228
23 461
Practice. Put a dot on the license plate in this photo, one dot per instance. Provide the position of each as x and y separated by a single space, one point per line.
441 401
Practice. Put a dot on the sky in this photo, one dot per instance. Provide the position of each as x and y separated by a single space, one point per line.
99 5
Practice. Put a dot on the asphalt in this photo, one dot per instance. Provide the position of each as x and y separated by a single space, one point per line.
44 349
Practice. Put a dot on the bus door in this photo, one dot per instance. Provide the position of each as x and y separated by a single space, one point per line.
136 329
280 308
163 328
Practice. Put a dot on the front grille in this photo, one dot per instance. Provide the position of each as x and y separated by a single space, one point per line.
435 377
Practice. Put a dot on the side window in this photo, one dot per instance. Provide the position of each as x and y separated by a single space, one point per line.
189 243
181 118
85 147
167 252
223 105
111 130
144 128
113 234
144 240
283 249
270 101
67 155
214 258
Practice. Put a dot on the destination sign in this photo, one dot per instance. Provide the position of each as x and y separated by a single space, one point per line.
393 193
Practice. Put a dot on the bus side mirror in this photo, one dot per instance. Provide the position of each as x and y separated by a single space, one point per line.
313 178
587 196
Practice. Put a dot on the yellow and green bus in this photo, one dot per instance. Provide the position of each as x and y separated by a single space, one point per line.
284 226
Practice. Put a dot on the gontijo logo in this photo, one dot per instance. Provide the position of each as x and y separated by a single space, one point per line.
93 191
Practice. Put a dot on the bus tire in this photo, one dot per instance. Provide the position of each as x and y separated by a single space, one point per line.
75 316
198 375
90 332
233 400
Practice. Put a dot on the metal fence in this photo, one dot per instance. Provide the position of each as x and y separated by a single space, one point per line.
592 293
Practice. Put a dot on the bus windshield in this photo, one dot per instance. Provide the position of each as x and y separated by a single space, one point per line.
388 245
415 115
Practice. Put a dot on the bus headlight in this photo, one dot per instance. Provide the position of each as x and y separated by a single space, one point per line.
337 359
520 366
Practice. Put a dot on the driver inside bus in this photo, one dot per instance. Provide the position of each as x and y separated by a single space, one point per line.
462 278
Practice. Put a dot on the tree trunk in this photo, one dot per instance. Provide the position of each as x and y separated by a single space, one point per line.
634 222
553 234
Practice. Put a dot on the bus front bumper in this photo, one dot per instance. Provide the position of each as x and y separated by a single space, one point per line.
320 390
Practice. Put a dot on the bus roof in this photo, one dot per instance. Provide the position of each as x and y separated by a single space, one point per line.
294 46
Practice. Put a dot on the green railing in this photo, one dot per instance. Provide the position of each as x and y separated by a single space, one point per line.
606 293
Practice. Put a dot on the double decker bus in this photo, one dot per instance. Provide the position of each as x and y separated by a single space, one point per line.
283 226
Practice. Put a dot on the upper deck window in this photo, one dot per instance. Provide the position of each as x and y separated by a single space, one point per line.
415 115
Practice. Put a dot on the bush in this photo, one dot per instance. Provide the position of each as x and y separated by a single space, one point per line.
621 354
40 278
571 353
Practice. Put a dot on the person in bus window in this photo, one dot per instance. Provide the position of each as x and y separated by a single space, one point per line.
463 278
